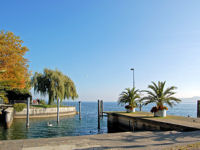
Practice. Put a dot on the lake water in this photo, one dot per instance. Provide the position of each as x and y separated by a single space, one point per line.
72 126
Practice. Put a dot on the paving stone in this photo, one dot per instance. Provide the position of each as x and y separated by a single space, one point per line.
125 140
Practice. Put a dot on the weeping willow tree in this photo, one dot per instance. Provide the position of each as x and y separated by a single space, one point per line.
54 84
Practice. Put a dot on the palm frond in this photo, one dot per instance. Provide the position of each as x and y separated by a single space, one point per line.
129 96
157 94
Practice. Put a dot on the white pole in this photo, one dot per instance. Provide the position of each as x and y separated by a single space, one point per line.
58 105
27 114
133 78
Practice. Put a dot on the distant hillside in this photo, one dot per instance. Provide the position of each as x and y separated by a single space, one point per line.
192 99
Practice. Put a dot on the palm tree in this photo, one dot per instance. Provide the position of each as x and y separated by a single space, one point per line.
54 84
129 96
157 94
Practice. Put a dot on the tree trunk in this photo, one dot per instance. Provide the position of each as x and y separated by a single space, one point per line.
51 100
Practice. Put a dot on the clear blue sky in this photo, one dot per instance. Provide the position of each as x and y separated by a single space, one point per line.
97 42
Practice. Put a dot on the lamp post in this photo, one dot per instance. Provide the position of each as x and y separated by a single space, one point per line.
132 69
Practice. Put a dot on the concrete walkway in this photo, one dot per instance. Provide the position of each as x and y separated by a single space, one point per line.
126 140
170 119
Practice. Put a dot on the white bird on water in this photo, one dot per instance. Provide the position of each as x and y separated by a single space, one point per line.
49 124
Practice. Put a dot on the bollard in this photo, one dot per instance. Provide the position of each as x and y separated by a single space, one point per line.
198 109
58 105
79 110
101 108
27 114
98 114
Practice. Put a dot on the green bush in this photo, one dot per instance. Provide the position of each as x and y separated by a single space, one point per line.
42 102
19 107
47 106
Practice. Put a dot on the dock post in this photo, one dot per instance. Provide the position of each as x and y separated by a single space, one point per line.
58 105
198 109
98 114
101 108
79 110
140 106
27 114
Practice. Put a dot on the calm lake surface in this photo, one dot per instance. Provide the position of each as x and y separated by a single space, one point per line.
72 126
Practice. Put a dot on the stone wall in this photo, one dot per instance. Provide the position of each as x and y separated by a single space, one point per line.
9 116
118 122
35 112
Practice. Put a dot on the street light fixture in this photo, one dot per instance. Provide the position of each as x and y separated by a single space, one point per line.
132 69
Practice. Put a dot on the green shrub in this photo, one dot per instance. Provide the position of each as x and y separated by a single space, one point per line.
19 107
47 106
42 102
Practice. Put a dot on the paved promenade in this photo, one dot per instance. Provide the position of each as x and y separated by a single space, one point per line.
126 140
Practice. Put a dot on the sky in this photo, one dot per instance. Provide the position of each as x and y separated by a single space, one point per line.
96 43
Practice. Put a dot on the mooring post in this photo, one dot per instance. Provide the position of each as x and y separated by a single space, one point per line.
98 114
58 105
79 110
101 108
198 109
27 114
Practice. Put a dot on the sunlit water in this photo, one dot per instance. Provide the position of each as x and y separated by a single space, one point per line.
72 126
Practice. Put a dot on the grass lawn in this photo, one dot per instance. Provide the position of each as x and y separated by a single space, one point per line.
149 114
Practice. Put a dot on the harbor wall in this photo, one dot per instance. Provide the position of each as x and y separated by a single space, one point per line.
8 112
119 123
35 112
